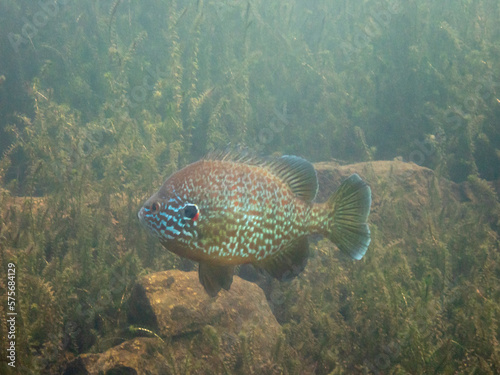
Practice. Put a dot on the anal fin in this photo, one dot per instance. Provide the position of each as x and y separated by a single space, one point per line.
214 277
289 262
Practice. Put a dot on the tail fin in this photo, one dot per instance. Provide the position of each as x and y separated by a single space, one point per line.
349 207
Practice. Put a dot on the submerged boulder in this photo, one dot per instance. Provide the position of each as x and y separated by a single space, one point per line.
180 305
234 332
136 356
399 190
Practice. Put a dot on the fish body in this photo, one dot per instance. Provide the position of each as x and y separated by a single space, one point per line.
229 209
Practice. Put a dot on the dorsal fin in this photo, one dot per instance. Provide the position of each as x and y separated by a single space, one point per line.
298 173
237 154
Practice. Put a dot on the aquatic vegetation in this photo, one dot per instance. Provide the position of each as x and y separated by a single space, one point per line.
104 99
368 81
422 303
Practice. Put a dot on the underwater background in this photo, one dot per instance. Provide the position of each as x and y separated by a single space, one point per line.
100 101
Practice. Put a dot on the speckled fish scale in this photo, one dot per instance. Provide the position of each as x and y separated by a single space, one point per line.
249 214
231 210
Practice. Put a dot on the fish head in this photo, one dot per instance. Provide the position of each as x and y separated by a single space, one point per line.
170 217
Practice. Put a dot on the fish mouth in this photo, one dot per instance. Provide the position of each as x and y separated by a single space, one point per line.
140 215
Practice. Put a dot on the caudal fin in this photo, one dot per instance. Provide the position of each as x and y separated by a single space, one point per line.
350 206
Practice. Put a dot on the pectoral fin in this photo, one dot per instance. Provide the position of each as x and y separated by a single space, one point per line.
214 278
289 262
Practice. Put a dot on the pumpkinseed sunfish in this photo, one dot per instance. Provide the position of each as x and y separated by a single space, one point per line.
230 209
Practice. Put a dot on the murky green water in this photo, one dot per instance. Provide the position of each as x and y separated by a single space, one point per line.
100 101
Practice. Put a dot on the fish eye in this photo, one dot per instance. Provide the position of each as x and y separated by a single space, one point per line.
155 207
191 212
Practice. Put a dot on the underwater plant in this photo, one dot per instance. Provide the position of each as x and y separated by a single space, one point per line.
103 100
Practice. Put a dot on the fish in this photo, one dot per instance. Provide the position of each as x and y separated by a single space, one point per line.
229 209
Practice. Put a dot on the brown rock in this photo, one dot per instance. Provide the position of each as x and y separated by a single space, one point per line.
235 331
401 191
181 305
393 173
137 356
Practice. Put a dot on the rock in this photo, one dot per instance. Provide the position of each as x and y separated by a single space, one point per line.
395 174
235 331
180 305
396 186
137 356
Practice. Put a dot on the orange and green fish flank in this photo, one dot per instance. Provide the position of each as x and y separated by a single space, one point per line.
230 209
